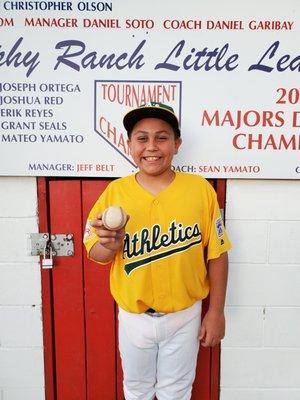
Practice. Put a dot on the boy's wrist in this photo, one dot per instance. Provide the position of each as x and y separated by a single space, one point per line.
216 309
101 253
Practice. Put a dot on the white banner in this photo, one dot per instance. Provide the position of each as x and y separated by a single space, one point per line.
69 70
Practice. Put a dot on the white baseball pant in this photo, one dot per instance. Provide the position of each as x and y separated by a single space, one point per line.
159 354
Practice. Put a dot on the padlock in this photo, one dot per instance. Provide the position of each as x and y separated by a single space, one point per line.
47 263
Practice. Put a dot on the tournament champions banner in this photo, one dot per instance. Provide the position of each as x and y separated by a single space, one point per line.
69 70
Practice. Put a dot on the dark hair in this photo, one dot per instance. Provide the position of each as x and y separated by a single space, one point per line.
151 110
175 131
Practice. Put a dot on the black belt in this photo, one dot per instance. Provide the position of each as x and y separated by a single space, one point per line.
154 313
150 310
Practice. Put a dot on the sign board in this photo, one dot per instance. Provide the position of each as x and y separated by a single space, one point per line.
70 70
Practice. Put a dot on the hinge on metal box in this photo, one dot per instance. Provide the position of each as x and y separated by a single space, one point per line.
60 244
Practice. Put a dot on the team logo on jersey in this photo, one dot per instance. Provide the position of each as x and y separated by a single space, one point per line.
219 227
159 244
87 231
113 99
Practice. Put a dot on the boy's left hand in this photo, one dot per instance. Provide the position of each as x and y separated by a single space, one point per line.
212 329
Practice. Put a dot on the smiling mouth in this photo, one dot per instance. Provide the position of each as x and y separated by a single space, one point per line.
152 158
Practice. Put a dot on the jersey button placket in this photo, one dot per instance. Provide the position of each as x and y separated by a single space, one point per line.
159 271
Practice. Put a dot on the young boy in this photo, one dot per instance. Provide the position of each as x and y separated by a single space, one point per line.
170 255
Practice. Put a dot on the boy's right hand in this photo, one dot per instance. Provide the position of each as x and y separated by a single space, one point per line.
111 240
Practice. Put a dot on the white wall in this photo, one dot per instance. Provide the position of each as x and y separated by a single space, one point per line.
260 357
21 351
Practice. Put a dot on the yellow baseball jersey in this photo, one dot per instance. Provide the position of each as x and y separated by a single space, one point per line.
169 238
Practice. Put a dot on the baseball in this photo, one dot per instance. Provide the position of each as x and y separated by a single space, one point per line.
114 218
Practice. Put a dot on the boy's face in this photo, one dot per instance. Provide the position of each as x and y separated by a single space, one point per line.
153 145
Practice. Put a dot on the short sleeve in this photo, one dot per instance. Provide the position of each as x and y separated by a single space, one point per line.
90 237
218 241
